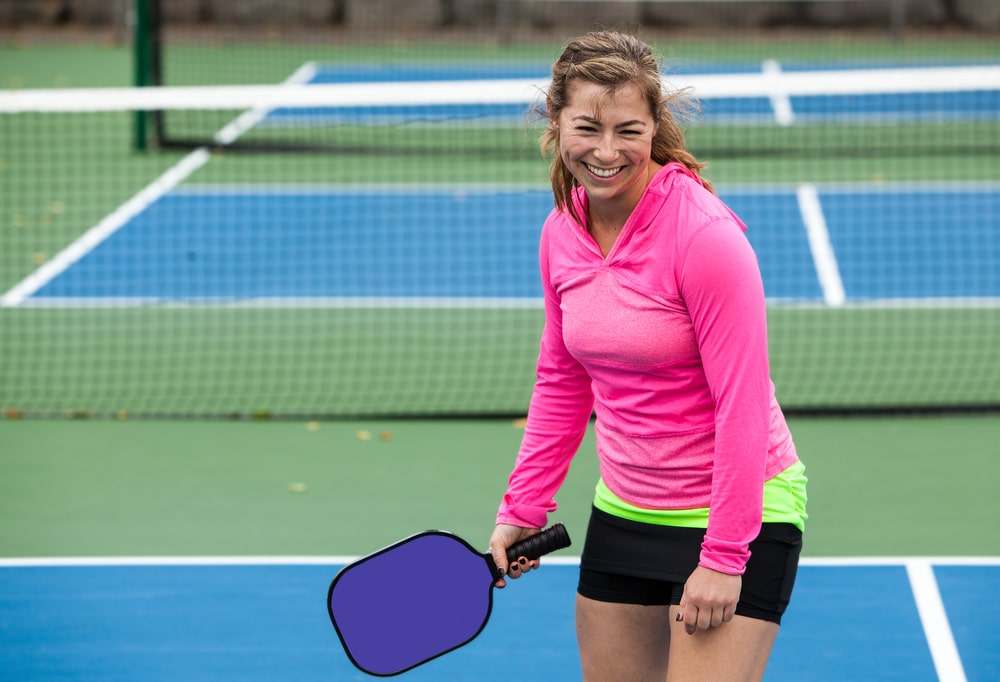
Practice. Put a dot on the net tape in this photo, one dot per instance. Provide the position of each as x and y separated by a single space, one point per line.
492 91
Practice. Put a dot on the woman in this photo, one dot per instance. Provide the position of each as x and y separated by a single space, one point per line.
656 323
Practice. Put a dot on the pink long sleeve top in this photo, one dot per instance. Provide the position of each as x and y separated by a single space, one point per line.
665 341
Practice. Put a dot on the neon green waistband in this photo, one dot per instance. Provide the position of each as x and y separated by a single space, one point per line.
784 502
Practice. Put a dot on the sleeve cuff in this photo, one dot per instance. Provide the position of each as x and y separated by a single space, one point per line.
724 557
523 515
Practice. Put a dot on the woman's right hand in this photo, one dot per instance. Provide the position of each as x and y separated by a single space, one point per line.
503 537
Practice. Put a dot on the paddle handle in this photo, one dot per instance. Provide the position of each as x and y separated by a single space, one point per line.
549 540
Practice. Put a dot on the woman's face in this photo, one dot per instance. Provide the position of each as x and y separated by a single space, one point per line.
606 141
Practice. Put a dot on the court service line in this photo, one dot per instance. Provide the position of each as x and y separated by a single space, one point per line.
819 244
934 619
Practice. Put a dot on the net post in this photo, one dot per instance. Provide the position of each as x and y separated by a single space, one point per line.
141 73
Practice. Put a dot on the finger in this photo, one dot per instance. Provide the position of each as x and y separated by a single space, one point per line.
500 561
718 617
704 619
689 616
515 570
681 615
524 564
499 558
500 581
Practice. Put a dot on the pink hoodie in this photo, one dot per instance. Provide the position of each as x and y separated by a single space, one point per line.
665 340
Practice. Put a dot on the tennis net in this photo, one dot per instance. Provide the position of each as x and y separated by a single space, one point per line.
391 270
792 113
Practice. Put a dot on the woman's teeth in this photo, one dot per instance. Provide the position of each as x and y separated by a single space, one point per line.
604 172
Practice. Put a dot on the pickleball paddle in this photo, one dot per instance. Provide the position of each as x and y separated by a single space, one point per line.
420 598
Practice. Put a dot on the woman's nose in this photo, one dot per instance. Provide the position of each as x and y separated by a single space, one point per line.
605 147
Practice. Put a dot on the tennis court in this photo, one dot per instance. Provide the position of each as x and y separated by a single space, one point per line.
298 296
261 620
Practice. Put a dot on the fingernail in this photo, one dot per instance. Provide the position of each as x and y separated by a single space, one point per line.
522 561
680 617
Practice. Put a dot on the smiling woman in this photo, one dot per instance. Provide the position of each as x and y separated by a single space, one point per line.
605 141
656 321
608 92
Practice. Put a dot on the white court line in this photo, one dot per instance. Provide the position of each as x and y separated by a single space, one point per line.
248 119
93 237
90 239
174 176
337 559
820 246
901 561
934 619
781 103
72 562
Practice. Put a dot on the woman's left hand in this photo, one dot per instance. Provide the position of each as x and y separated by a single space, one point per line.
709 599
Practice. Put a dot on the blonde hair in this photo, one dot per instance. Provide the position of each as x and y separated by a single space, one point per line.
615 60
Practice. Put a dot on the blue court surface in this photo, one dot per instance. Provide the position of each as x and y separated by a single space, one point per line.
331 244
257 619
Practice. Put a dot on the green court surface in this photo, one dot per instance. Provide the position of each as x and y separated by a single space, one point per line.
878 486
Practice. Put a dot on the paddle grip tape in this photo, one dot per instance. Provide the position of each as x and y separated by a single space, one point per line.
549 540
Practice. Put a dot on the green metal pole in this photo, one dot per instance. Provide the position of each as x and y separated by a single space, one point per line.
141 49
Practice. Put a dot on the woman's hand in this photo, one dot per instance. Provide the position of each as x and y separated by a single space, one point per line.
709 599
503 537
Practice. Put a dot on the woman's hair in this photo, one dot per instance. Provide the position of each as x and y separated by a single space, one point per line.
615 60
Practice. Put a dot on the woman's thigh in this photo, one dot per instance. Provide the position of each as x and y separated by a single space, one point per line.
636 643
622 642
736 651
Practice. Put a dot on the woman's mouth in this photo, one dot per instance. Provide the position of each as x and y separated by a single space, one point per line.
604 172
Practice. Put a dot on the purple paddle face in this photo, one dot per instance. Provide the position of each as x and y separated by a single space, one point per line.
411 602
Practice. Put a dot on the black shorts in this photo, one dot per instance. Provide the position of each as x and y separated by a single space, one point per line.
628 562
